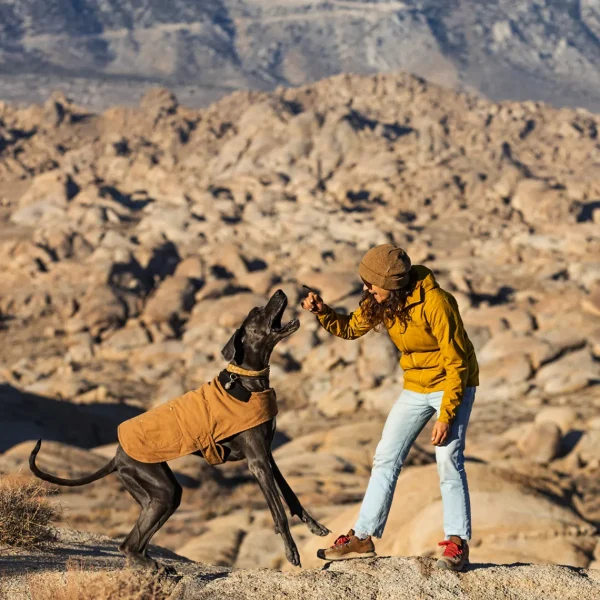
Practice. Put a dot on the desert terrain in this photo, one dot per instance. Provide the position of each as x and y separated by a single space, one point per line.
133 242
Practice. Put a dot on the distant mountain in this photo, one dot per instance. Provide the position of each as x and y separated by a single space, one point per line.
522 49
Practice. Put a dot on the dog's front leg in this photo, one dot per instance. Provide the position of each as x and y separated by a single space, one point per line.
261 469
294 504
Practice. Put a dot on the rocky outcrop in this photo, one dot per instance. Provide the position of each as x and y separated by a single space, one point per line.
376 578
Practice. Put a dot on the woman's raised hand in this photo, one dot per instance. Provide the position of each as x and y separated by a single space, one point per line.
312 303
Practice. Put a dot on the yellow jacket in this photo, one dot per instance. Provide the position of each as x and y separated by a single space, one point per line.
436 351
198 420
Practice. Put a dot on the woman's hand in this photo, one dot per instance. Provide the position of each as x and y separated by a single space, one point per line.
440 433
312 303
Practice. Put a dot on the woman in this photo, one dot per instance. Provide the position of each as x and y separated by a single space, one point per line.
440 376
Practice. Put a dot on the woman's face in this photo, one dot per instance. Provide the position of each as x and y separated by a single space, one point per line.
378 293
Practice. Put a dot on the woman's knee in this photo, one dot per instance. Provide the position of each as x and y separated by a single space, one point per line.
450 462
387 463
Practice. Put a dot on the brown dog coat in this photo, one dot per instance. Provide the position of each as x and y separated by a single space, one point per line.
198 420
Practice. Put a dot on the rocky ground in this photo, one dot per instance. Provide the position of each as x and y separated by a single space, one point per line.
381 578
132 243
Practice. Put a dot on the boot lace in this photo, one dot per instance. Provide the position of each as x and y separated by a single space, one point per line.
452 549
341 540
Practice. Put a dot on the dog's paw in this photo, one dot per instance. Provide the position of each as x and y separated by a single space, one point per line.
293 556
315 527
166 571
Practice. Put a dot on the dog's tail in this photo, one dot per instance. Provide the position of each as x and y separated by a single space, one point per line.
99 474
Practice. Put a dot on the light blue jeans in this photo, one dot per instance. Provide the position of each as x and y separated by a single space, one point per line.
406 420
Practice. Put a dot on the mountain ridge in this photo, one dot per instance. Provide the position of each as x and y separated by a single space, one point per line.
528 49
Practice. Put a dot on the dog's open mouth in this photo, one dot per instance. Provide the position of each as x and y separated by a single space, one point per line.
276 326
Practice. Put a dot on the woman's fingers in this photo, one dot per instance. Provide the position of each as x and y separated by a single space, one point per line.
313 302
317 300
439 434
307 303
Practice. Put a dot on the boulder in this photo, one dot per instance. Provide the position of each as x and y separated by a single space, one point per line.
542 443
173 298
562 416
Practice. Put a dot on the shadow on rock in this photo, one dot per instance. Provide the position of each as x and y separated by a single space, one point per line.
28 416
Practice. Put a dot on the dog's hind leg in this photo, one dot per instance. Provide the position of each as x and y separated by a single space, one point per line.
294 504
154 487
174 492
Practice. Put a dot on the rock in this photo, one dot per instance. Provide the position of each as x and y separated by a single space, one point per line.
260 282
220 543
499 318
38 212
262 546
163 355
587 489
562 416
81 348
567 383
170 387
324 356
542 443
333 285
568 374
588 447
228 262
54 187
120 344
594 340
505 344
402 578
378 358
159 102
514 368
382 398
173 298
591 303
101 310
63 460
338 402
228 311
298 345
191 268
537 200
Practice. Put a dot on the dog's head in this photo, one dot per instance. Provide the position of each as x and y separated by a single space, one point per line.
260 332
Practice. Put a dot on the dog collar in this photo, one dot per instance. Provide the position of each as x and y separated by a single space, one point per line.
239 371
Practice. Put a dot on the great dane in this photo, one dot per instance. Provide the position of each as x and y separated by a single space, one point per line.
154 486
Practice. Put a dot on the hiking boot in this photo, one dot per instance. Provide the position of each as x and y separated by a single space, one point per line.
348 546
455 555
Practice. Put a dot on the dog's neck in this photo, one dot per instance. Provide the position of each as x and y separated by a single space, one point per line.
254 380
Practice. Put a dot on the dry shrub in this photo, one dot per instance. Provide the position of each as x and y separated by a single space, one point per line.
26 513
77 584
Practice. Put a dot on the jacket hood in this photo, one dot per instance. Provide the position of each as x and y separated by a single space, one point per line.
425 282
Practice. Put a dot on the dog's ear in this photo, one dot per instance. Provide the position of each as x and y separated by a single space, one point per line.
234 348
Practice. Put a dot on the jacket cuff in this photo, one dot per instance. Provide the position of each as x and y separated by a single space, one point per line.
445 416
324 311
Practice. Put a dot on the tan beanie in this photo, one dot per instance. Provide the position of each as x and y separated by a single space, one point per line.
385 266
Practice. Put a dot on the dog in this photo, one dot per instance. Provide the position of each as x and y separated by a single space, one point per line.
154 486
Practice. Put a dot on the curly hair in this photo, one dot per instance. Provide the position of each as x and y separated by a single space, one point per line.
391 309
